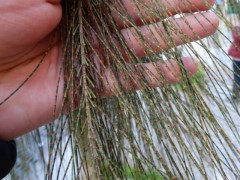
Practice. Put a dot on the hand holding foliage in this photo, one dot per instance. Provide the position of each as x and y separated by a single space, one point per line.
87 70
31 63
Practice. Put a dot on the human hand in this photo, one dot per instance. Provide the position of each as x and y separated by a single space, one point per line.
28 31
27 27
127 14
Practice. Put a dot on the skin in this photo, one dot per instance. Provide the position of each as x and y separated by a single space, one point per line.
27 27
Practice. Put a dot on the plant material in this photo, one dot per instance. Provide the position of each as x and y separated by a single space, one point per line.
140 131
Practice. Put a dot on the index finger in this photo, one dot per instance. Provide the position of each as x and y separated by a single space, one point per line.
142 12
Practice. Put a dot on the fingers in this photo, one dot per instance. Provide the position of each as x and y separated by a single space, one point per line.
160 73
145 75
154 38
150 38
146 11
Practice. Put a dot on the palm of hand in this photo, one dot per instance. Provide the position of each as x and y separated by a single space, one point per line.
24 41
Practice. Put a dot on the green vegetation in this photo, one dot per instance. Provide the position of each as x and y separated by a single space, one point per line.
131 173
138 174
198 80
